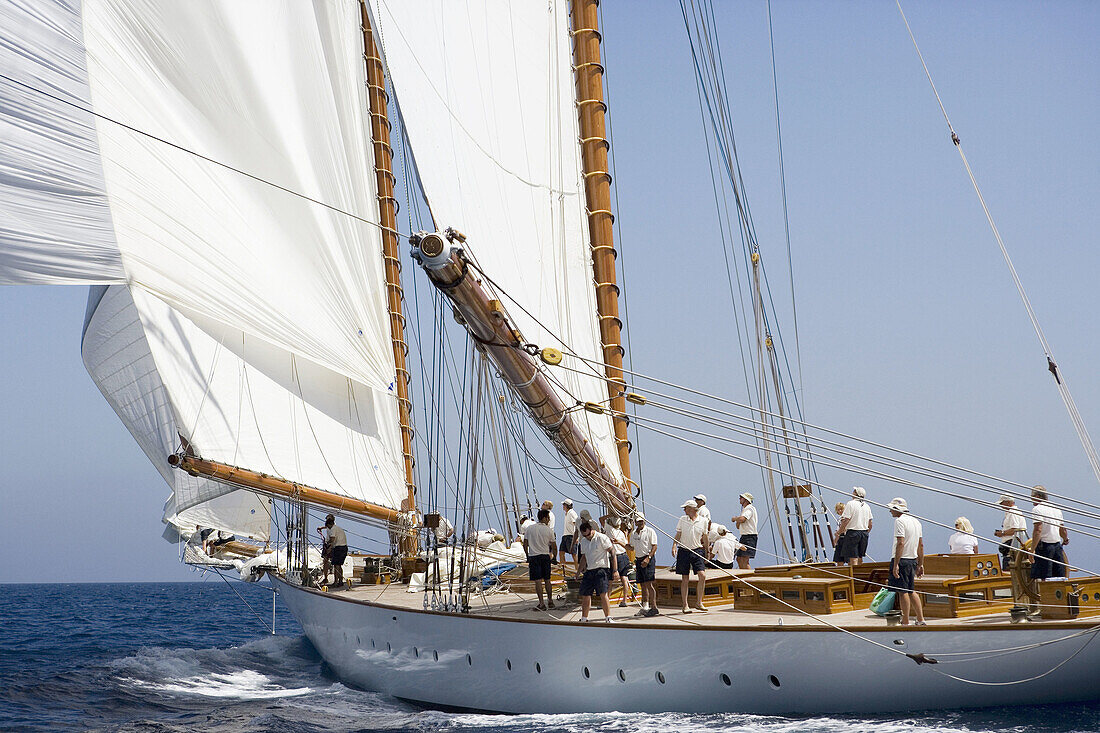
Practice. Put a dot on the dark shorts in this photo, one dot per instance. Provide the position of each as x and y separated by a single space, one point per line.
339 554
624 563
538 567
838 550
646 573
854 544
749 542
723 565
566 544
1049 561
688 561
907 575
594 582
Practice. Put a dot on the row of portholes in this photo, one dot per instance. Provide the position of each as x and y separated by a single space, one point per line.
1083 598
587 673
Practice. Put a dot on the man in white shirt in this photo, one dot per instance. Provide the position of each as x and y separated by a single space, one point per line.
1013 529
746 524
908 561
704 510
539 544
568 529
596 563
336 549
724 549
1048 537
644 542
549 506
855 528
612 528
690 547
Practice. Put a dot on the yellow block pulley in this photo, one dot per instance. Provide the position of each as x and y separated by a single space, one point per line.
550 355
635 398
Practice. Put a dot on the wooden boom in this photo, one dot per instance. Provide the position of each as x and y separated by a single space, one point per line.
282 488
487 323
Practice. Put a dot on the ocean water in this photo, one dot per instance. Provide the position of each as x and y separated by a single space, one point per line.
194 657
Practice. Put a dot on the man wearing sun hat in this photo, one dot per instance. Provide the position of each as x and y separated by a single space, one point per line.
746 523
690 547
908 560
1013 529
704 511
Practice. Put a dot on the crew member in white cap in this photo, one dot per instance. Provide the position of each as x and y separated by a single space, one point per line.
746 524
724 549
690 548
907 563
567 530
1013 531
644 542
704 510
855 528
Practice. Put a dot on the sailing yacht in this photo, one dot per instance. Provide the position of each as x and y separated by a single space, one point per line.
227 177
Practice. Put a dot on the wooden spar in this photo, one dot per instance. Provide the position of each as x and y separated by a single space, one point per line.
387 212
584 17
281 488
488 324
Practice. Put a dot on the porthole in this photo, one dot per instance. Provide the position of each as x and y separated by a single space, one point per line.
773 681
435 654
981 565
538 668
985 572
416 652
357 642
1096 597
1058 594
660 677
977 573
725 679
372 646
586 673
508 664
469 660
622 676
388 647
993 571
395 618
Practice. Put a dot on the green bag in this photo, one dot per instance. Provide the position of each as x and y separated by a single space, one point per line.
884 601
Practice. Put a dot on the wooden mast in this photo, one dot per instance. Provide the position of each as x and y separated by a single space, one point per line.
591 109
387 213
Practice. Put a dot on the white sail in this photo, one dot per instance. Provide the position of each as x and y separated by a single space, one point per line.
241 513
486 93
55 226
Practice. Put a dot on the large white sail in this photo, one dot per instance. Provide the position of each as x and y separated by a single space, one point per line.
486 93
241 513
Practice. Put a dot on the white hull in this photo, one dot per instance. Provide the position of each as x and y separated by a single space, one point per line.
463 661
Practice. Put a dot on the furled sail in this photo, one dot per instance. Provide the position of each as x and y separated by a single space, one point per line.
486 94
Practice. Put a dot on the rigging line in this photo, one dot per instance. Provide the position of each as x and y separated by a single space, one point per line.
1063 387
262 620
814 426
1021 681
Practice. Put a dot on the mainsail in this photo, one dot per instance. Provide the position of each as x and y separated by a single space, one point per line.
507 174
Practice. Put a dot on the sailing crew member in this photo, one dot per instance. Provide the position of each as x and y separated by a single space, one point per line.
597 561
337 541
855 527
1013 529
838 546
690 547
539 544
585 516
612 528
1048 537
444 530
549 506
724 549
746 524
704 510
568 529
644 542
963 542
908 560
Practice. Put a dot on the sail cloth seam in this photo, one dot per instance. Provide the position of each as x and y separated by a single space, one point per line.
1063 388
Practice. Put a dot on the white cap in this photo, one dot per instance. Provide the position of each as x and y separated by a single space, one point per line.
639 517
567 502
1004 498
859 492
720 528
898 505
689 503
747 497
701 497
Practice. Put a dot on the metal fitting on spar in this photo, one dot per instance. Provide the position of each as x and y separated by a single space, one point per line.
431 250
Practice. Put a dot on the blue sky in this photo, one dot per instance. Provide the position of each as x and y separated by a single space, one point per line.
911 331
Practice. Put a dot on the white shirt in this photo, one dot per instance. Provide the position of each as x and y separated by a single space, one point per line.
962 543
858 514
1051 518
539 538
525 524
908 528
1014 519
551 519
704 512
749 525
616 536
570 523
691 531
444 530
336 534
725 549
594 547
644 541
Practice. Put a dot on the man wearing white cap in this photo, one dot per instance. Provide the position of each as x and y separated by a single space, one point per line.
1013 529
568 529
690 548
855 528
724 548
704 510
644 542
908 561
746 523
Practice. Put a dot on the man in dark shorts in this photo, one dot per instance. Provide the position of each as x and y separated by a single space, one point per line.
569 528
336 545
746 523
596 564
644 542
855 527
908 561
690 547
538 543
1048 537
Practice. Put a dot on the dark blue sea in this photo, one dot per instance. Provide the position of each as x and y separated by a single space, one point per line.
195 657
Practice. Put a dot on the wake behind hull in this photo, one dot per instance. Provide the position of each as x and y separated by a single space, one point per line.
518 666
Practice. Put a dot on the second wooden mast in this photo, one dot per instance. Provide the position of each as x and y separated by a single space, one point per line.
591 111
